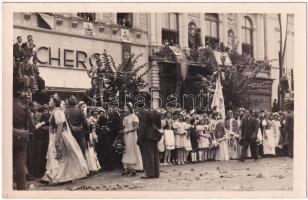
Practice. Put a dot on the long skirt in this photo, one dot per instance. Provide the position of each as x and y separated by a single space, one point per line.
70 166
91 158
223 151
233 148
132 157
161 144
169 139
269 143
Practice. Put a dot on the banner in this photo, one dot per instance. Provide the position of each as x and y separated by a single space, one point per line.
218 99
181 61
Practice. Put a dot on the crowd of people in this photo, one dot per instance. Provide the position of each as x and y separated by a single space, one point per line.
71 140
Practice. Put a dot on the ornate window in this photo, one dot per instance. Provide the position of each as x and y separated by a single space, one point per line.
170 29
211 31
231 39
125 19
87 16
247 33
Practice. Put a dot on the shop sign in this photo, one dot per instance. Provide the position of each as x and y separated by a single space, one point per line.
62 57
261 85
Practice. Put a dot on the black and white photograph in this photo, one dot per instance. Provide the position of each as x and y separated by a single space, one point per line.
153 101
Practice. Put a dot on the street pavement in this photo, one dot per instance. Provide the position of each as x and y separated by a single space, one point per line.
266 174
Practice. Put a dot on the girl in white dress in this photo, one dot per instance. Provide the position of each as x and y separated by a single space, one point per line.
187 143
169 138
201 138
180 132
65 161
131 159
268 136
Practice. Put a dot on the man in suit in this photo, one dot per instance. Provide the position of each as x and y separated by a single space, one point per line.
17 50
249 133
148 138
78 123
18 56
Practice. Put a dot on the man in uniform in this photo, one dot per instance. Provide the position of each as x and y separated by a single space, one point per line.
22 124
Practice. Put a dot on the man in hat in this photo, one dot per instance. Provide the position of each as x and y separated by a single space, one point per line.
249 131
22 125
78 122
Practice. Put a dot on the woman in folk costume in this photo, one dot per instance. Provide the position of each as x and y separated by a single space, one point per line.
268 136
65 161
232 133
90 154
131 160
220 134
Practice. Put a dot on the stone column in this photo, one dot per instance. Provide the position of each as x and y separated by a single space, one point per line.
114 18
99 17
239 38
266 30
223 28
158 29
154 78
135 20
203 28
152 28
183 30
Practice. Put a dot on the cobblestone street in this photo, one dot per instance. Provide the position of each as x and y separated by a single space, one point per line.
266 174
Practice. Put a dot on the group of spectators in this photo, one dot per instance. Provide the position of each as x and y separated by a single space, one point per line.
93 139
26 71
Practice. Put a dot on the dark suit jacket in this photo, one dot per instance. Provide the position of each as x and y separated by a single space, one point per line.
147 121
17 53
250 128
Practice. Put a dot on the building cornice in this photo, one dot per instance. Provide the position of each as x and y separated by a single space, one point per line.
76 35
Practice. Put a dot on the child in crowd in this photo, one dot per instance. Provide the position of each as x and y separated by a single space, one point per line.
193 140
161 143
180 132
201 138
169 138
187 143
207 132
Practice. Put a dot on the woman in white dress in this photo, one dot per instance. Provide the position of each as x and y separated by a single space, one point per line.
132 159
65 161
268 136
277 134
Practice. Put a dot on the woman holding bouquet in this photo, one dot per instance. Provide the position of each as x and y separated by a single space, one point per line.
232 134
65 161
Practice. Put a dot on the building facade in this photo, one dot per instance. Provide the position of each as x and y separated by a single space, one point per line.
66 43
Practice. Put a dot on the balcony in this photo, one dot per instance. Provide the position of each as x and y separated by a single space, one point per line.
210 58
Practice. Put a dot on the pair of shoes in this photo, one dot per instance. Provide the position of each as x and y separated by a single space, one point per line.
132 174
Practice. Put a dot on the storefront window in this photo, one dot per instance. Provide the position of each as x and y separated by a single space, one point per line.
211 32
125 19
87 16
247 31
170 31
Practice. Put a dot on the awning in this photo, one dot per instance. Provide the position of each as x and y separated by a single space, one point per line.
47 19
72 79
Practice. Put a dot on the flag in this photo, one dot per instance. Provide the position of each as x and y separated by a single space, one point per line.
218 99
181 61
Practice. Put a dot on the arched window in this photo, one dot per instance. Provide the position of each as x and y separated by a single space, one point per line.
247 33
211 31
125 19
